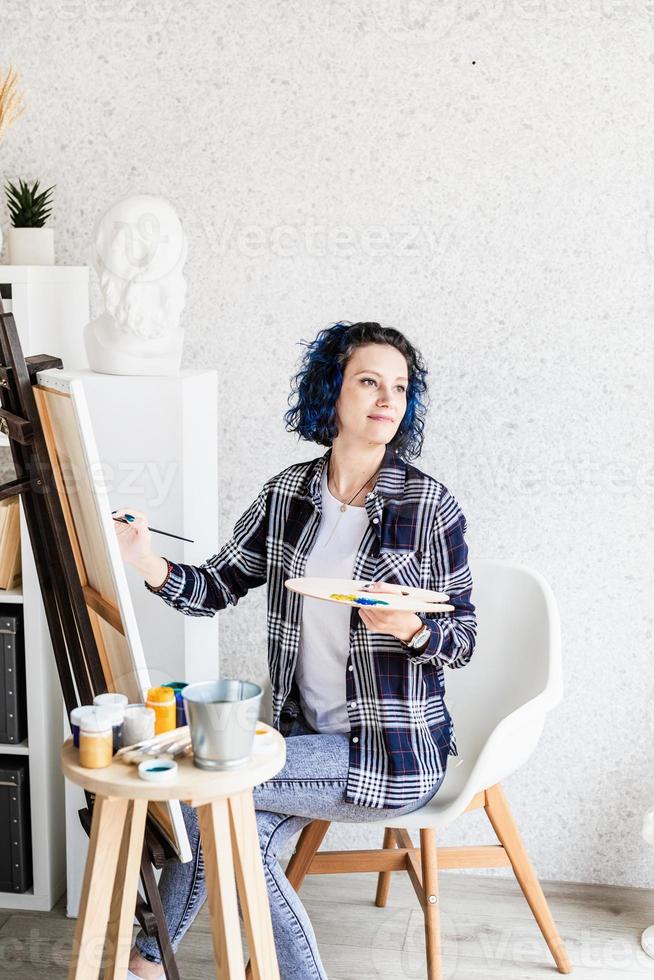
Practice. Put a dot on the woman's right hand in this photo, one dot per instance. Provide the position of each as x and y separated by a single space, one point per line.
134 538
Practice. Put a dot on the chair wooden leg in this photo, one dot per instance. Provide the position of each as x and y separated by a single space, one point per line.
501 818
309 841
384 877
431 909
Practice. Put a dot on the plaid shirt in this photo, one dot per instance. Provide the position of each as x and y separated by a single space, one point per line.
401 731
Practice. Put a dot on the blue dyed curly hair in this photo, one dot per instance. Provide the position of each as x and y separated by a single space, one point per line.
316 386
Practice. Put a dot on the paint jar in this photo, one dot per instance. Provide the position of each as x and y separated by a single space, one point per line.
138 724
96 740
76 716
116 712
117 704
163 700
111 698
158 770
178 687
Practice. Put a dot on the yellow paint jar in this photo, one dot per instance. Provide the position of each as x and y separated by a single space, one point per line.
96 747
162 701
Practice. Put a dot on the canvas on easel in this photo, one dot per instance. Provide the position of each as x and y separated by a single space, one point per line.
77 470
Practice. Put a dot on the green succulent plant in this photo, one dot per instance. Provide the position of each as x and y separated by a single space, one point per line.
28 208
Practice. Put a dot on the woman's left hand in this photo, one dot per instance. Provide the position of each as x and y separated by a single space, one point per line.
403 625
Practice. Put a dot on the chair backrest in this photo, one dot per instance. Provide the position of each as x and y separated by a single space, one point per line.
517 656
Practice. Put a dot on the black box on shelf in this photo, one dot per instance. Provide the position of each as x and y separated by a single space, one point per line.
13 706
15 836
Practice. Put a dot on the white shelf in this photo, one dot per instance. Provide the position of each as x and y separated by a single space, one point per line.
51 306
11 595
71 275
7 748
24 901
41 747
18 900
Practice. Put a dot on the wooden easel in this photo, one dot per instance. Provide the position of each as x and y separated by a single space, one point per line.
73 641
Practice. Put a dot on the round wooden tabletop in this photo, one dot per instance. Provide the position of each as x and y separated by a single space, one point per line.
122 780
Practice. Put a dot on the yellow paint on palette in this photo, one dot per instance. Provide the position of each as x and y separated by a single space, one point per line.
361 600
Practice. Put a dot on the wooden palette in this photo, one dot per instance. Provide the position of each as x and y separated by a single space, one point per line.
347 592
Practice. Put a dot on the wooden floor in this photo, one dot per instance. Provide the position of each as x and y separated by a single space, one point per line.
488 932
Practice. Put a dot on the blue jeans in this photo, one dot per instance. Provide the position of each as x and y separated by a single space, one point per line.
311 786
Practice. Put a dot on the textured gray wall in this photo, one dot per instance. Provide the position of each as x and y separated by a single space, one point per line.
478 175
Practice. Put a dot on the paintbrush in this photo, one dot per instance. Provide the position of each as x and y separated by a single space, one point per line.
174 742
156 530
172 750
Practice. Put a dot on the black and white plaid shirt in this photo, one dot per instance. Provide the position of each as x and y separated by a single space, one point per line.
401 731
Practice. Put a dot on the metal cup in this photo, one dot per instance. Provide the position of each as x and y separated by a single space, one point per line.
222 716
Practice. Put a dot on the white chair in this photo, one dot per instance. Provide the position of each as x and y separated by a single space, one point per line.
498 702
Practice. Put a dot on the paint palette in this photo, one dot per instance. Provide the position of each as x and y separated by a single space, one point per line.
350 593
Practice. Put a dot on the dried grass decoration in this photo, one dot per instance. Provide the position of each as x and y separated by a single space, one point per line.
10 101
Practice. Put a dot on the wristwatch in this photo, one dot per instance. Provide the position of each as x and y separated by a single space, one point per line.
420 639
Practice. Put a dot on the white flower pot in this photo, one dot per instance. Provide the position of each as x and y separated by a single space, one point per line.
30 246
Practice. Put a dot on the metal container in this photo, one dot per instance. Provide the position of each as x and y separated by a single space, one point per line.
222 716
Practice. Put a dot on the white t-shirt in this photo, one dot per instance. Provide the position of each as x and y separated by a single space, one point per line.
325 630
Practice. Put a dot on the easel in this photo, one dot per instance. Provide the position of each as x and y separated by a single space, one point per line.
73 641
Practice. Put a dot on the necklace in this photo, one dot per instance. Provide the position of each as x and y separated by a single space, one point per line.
344 505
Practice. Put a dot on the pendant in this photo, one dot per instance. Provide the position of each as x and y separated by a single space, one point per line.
343 507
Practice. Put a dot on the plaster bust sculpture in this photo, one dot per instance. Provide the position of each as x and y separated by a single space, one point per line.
139 251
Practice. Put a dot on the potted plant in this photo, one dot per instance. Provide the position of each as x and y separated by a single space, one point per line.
29 242
10 107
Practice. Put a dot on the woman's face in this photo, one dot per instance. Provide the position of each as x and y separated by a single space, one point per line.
372 400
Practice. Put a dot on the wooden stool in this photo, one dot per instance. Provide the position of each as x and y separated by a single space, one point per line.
230 845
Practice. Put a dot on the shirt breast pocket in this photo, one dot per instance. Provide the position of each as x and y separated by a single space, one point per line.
401 568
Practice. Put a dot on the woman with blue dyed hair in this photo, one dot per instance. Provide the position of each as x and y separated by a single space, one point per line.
357 692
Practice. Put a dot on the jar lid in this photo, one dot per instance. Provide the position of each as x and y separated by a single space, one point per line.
99 721
137 710
111 697
77 714
115 711
161 695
